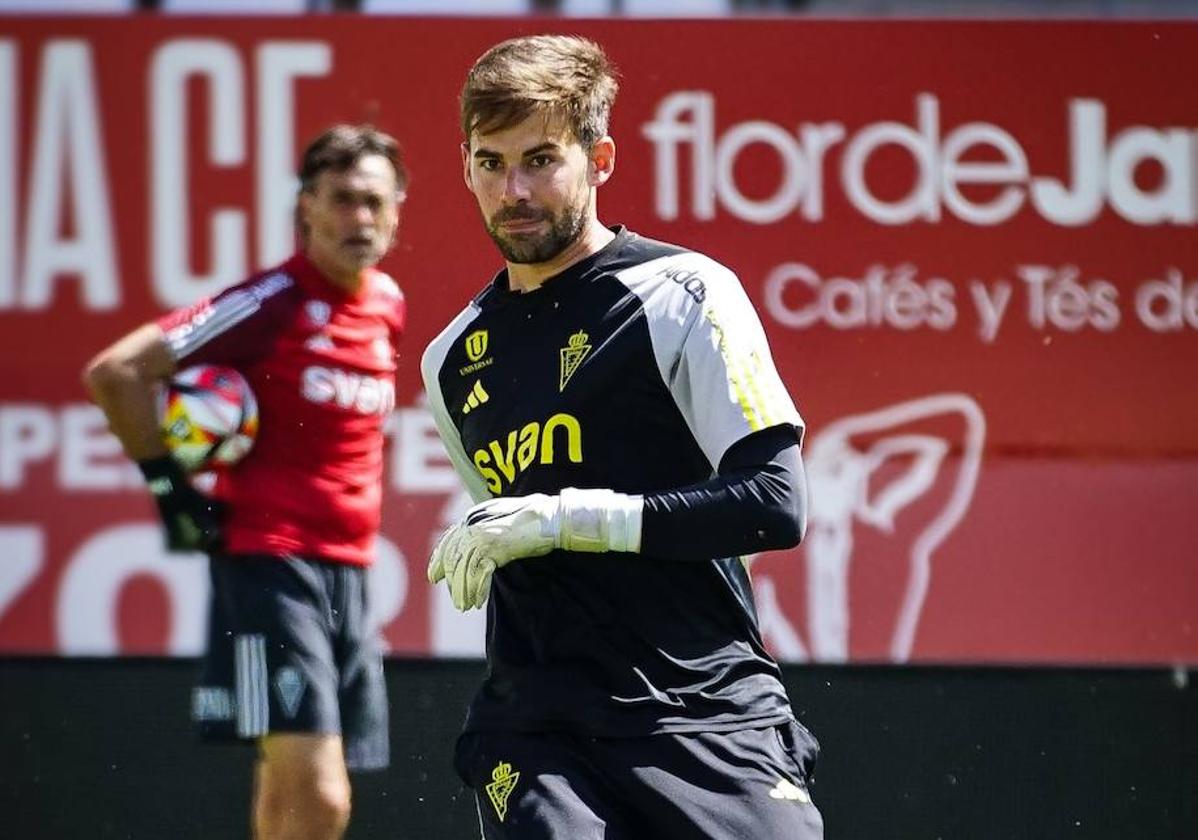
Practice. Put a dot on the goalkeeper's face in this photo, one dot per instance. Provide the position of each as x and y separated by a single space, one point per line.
350 217
535 187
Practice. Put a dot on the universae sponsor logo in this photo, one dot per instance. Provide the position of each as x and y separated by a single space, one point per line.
1101 164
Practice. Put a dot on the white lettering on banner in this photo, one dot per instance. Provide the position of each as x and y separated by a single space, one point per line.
1080 205
87 607
387 585
1056 297
418 460
817 139
172 66
363 394
956 171
1168 305
68 160
1174 150
991 304
68 164
922 203
789 192
279 64
797 297
23 549
89 457
1101 174
27 435
8 174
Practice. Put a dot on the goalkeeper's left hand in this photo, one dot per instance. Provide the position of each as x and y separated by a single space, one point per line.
496 532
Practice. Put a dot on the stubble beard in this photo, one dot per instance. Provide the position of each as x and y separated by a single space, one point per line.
564 230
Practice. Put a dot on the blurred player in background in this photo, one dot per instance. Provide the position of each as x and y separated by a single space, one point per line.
614 401
291 663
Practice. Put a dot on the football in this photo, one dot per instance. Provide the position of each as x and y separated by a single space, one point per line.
209 417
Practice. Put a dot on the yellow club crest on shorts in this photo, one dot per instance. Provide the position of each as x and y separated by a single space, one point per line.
476 345
501 787
573 353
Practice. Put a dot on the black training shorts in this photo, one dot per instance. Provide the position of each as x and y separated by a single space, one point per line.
289 650
750 783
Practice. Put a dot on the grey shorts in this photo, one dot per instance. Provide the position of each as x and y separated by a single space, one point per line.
289 650
750 783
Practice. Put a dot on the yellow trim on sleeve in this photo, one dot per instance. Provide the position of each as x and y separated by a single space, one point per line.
751 410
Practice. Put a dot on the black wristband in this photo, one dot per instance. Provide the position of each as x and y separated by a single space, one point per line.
162 467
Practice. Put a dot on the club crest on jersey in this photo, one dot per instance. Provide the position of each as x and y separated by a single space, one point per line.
503 782
476 345
572 354
476 348
318 312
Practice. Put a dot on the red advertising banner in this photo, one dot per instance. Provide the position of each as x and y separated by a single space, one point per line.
973 247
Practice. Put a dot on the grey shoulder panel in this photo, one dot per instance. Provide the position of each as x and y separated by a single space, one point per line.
710 349
431 365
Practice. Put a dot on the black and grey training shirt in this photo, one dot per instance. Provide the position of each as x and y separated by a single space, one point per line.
637 369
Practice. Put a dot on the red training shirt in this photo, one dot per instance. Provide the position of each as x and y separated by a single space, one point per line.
322 364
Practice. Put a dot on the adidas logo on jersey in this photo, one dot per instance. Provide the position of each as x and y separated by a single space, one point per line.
788 790
477 397
319 342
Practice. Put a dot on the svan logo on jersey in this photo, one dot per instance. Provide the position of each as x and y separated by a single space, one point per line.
500 461
978 172
348 390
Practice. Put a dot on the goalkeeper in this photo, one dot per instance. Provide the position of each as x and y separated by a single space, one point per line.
611 404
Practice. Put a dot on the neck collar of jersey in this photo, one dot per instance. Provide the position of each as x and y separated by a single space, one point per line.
556 282
312 280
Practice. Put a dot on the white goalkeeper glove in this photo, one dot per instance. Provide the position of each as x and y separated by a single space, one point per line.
496 532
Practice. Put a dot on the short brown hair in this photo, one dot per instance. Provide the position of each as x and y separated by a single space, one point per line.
341 146
559 75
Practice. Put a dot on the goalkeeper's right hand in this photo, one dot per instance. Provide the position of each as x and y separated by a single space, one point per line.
191 520
496 532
